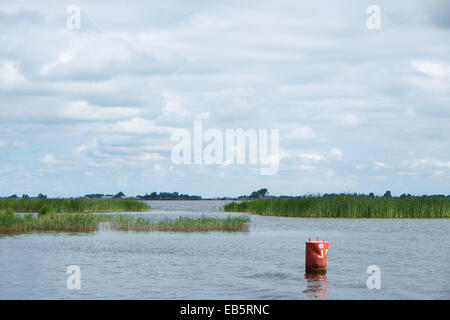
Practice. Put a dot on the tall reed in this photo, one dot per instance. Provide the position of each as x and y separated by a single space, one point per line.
347 206
68 222
183 224
85 222
73 205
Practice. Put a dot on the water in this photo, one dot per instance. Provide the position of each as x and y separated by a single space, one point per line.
265 263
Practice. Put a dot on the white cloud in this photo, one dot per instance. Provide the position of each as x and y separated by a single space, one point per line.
81 110
139 126
335 153
173 108
10 75
407 173
63 58
435 75
48 159
150 156
310 156
302 132
350 119
431 68
430 162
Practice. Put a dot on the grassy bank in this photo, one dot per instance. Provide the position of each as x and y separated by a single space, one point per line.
85 222
347 206
72 205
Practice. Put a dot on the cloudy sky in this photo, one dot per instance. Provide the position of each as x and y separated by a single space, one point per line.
92 110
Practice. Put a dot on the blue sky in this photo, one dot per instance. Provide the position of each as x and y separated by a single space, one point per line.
92 110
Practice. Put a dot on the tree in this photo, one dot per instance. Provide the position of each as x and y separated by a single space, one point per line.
371 195
42 196
25 196
261 193
119 195
387 194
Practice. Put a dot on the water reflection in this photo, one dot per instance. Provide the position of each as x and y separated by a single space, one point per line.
316 285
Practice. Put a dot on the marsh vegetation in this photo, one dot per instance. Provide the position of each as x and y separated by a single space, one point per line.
71 205
347 206
48 220
184 224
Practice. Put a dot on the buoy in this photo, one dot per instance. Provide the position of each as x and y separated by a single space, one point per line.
316 256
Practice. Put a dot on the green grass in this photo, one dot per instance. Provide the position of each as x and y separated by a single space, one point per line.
72 205
184 224
86 222
347 206
67 222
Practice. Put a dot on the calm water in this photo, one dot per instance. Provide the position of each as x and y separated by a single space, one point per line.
265 263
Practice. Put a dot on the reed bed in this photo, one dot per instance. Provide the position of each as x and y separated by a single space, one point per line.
347 206
181 224
67 222
86 222
71 205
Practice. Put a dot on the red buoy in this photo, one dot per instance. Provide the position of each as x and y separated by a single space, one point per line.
316 256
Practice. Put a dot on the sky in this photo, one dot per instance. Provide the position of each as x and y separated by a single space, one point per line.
92 110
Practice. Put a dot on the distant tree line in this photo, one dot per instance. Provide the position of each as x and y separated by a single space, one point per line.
25 196
387 194
167 196
107 196
151 196
261 193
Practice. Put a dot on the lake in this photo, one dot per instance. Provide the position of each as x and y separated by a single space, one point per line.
265 263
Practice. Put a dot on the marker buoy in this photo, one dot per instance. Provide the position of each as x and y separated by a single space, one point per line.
316 256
